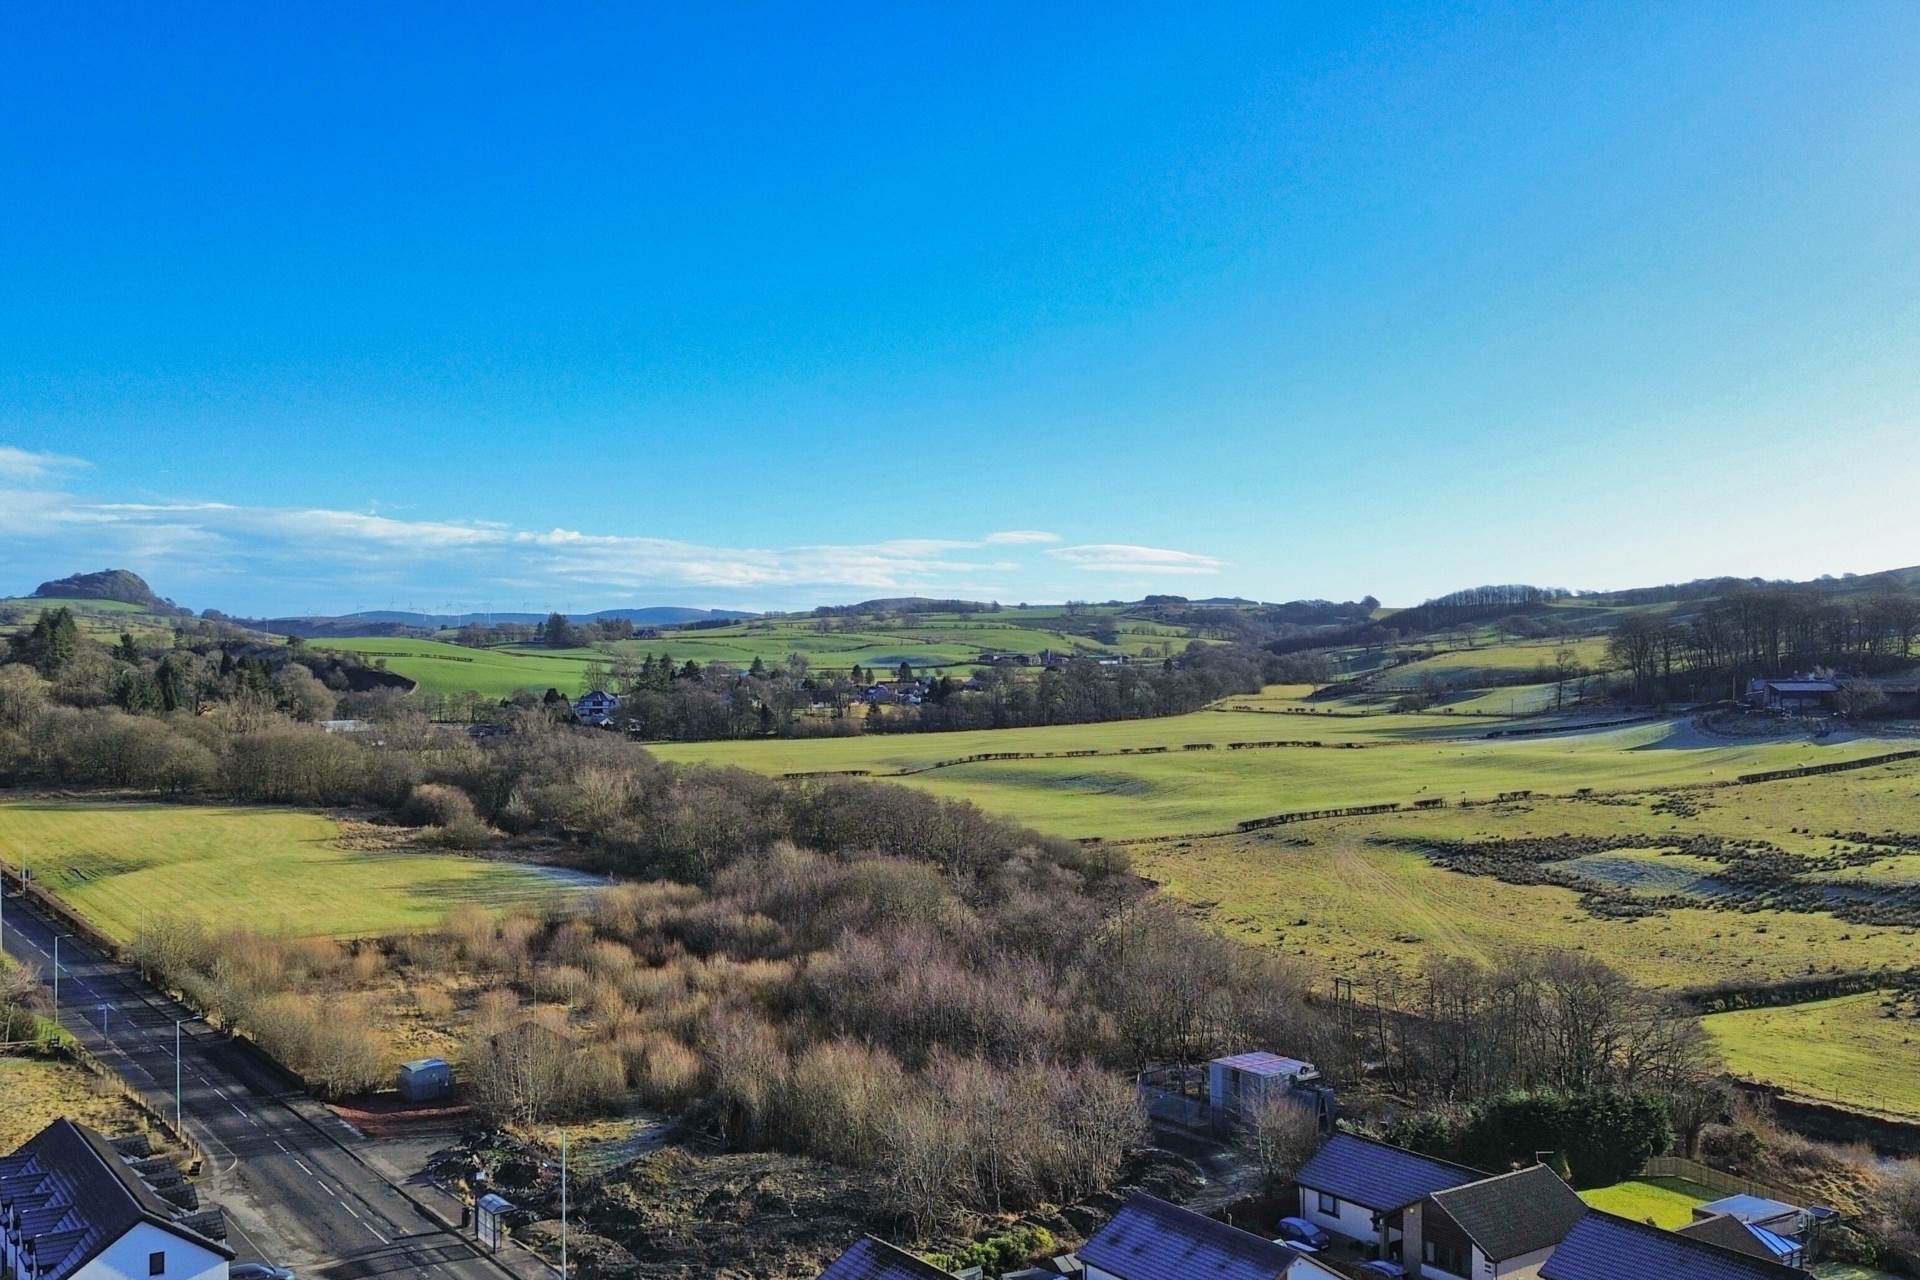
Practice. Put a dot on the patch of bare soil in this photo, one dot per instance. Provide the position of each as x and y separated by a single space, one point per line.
738 1215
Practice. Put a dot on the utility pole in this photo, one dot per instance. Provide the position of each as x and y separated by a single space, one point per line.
563 1204
56 979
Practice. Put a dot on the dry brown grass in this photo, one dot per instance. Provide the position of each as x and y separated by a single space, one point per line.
37 1091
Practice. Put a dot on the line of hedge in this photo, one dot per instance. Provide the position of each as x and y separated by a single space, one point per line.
1809 770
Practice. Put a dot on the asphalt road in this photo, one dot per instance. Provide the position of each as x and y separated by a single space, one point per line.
303 1199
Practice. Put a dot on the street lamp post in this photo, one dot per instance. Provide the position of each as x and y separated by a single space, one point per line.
563 1204
56 979
176 1076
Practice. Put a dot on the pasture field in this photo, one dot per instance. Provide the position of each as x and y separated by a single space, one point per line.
1498 661
32 605
101 620
1353 895
1665 1202
279 870
1861 1050
923 640
1397 758
441 668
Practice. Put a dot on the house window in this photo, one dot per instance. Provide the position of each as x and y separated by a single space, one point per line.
1443 1256
156 1264
1329 1204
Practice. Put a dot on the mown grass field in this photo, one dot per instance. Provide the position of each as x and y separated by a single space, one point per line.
441 668
1665 1202
1185 792
279 870
1844 1050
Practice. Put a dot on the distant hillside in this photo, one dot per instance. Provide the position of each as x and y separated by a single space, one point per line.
122 585
396 622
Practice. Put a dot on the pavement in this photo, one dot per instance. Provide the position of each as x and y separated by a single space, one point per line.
300 1186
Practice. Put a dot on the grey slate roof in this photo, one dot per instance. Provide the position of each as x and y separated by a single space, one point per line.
1729 1232
872 1259
77 1195
1377 1175
1515 1213
1149 1239
1604 1247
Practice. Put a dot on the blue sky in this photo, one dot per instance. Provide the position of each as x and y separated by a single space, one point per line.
354 306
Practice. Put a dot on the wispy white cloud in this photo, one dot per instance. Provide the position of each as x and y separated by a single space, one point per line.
347 557
25 464
1122 557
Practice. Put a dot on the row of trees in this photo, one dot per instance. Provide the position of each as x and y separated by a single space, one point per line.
1765 631
662 700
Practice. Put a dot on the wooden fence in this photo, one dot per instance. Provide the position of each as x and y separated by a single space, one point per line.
1725 1183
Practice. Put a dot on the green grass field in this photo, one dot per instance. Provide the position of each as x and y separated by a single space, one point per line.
1184 792
1843 1050
1354 894
442 668
922 640
1666 1202
276 869
1501 660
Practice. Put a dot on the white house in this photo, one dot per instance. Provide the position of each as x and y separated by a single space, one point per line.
1374 1194
77 1208
1499 1228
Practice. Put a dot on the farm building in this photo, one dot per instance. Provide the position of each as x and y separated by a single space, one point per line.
1502 1226
1795 697
1604 1247
82 1207
1373 1193
424 1079
1902 694
1240 1085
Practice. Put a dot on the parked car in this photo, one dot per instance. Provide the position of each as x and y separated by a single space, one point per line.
1300 1232
1382 1268
257 1271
